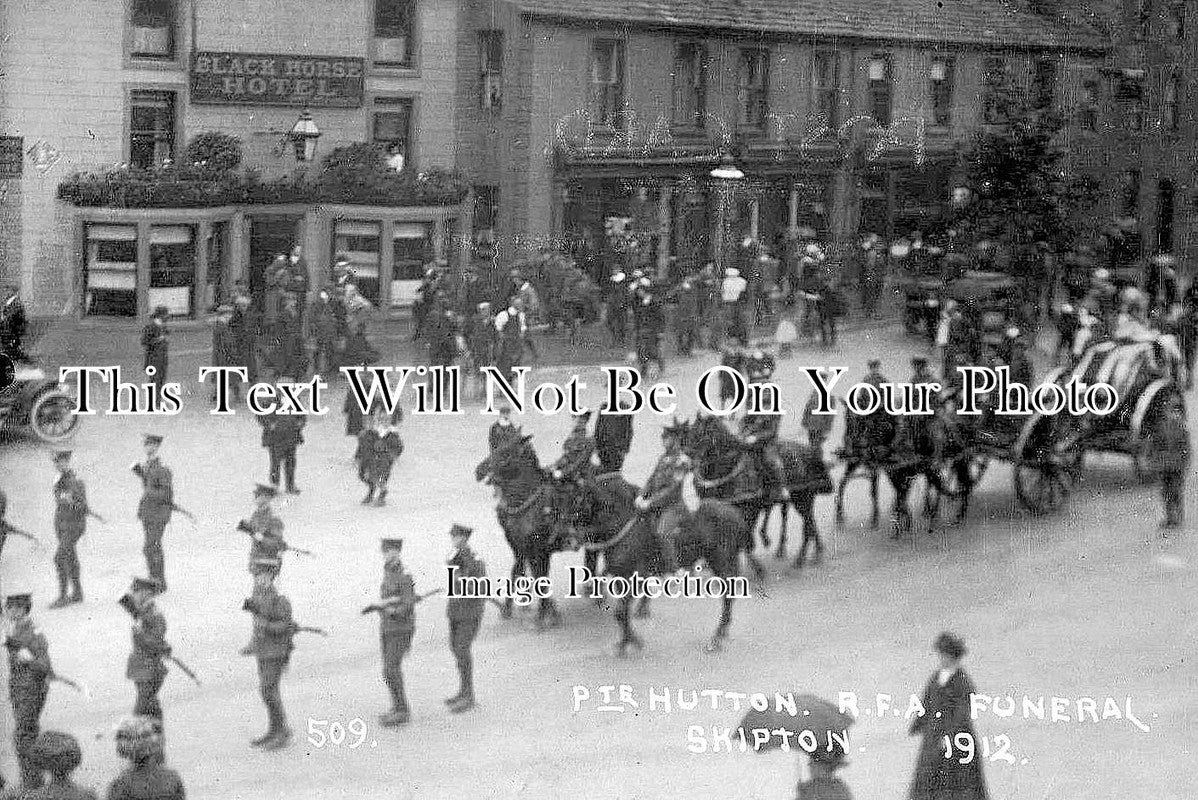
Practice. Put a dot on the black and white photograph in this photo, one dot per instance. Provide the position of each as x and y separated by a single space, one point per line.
598 399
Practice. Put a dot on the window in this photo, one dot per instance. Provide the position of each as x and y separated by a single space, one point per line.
1169 115
110 266
1131 193
1143 22
486 208
411 249
754 87
360 242
1044 83
1177 20
153 29
690 84
943 77
1164 217
218 262
1130 94
607 83
825 76
880 89
392 129
172 268
490 53
994 87
394 23
151 128
1087 113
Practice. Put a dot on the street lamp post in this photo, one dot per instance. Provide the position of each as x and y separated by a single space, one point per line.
303 136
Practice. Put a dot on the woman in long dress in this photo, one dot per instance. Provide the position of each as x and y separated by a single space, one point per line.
939 773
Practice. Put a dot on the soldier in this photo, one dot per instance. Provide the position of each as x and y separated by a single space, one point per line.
146 667
154 510
818 426
378 447
575 462
921 372
274 630
282 434
70 523
29 673
154 340
758 434
1172 446
661 499
733 358
397 623
465 616
613 438
265 529
502 432
6 529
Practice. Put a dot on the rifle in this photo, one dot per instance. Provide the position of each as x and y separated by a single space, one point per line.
12 644
391 602
247 529
7 529
126 602
183 511
95 516
252 607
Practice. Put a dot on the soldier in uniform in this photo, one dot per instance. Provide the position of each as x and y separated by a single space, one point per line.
818 426
921 372
733 358
145 666
661 499
70 523
29 673
575 462
397 623
274 630
613 438
154 510
757 436
6 529
465 616
265 529
282 434
1172 446
154 340
502 431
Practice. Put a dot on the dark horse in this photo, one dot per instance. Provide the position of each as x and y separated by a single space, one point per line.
725 471
865 452
529 513
605 518
927 446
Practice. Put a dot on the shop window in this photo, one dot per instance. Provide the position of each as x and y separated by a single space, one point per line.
361 243
881 89
151 128
412 250
825 78
943 77
690 84
1087 112
490 53
152 29
1130 94
1165 202
392 130
394 25
607 84
110 270
754 87
172 268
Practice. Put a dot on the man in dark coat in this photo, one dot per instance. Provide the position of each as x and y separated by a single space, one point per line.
322 319
613 438
502 432
6 528
661 499
146 667
157 503
465 616
139 739
282 434
379 446
397 624
575 461
617 308
758 435
650 323
224 347
29 673
686 315
243 327
274 630
154 341
1171 445
442 328
70 523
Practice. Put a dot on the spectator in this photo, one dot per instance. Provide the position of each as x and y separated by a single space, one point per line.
224 347
686 315
322 318
243 326
154 340
139 739
60 755
732 293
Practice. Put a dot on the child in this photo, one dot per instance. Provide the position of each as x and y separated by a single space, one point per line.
378 447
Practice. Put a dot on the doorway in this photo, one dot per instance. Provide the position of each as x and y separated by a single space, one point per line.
269 237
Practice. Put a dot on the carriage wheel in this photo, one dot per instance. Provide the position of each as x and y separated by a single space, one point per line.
1041 486
52 417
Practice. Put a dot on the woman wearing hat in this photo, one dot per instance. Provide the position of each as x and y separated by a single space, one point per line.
947 714
139 739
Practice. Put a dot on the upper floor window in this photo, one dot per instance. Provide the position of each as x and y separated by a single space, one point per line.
881 89
994 101
1044 83
825 78
607 83
1130 94
392 128
1165 202
490 49
943 77
151 128
394 26
1169 111
153 28
1131 193
1087 112
754 87
690 84
1177 20
1143 21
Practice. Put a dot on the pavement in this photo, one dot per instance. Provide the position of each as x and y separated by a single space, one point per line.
1089 602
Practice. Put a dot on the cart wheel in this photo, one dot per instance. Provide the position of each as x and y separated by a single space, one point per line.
53 417
1041 486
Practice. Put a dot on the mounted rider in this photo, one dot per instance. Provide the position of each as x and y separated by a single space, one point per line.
661 499
759 432
575 463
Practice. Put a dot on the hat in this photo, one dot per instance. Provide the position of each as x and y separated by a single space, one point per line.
62 455
950 645
161 312
919 361
152 438
139 738
24 601
262 490
460 530
732 271
874 363
56 752
392 544
266 565
146 585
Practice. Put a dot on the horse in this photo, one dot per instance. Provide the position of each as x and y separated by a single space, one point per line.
864 453
725 471
529 512
605 516
923 446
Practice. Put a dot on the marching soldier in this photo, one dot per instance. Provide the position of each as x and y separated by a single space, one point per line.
465 616
274 630
70 523
29 673
154 510
6 529
661 499
1172 446
397 623
265 529
613 438
575 462
146 667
